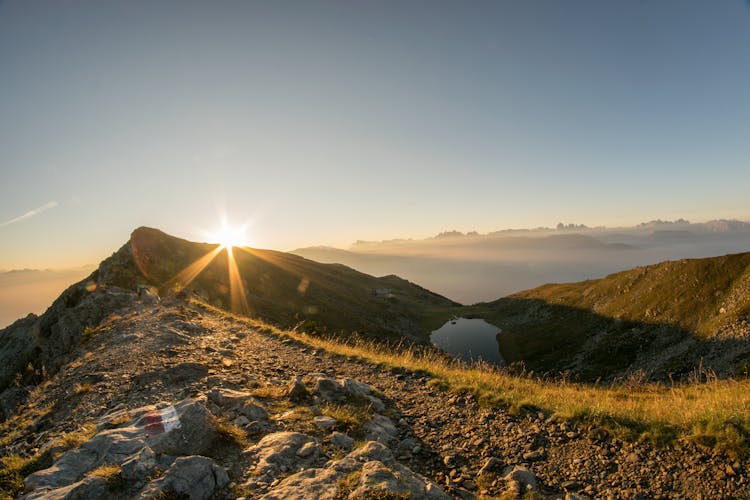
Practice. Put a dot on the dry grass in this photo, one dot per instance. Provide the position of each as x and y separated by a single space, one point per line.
77 438
713 412
111 474
349 417
82 388
269 391
709 411
231 433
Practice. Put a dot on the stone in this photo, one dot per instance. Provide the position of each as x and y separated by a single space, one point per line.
308 449
524 477
380 428
493 464
571 485
574 496
633 458
253 412
183 429
341 440
329 389
187 428
197 477
377 404
139 466
324 422
228 399
355 387
378 475
533 455
279 450
89 488
10 399
297 390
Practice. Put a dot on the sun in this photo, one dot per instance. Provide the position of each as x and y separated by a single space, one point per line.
228 236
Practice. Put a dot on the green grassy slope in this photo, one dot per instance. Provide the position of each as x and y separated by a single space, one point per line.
602 327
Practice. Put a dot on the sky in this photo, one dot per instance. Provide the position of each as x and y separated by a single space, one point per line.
324 122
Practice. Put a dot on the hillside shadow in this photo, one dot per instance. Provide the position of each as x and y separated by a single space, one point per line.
557 339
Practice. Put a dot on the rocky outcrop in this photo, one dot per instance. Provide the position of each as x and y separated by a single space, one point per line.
368 472
149 440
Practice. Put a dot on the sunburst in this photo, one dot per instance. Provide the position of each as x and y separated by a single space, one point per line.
226 238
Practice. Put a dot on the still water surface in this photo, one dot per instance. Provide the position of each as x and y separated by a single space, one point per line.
469 340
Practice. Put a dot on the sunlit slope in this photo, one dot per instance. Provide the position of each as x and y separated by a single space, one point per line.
285 288
665 318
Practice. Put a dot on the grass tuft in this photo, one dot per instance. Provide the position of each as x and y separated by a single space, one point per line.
82 388
111 474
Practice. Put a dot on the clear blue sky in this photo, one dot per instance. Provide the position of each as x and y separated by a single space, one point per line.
326 122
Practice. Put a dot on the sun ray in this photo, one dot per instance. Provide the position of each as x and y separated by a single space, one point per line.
187 275
238 299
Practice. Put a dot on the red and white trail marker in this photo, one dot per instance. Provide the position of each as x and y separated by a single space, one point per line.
159 421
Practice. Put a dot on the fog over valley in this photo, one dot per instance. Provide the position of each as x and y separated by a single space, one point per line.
472 267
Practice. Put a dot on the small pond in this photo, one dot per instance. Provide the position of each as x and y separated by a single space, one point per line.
469 340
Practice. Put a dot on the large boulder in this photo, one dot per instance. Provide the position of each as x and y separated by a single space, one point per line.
279 452
186 428
235 403
196 477
368 472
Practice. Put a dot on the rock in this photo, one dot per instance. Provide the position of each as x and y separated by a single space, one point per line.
324 422
493 464
185 372
598 434
308 449
633 458
329 389
109 446
187 428
341 440
10 399
183 429
376 472
253 412
241 421
406 447
238 402
571 485
279 450
195 476
380 428
89 488
139 466
524 477
533 455
355 387
297 390
377 404
574 496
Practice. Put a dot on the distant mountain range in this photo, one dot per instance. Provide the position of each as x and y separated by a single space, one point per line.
472 267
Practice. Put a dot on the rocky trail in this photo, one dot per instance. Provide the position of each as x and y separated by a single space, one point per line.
167 399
